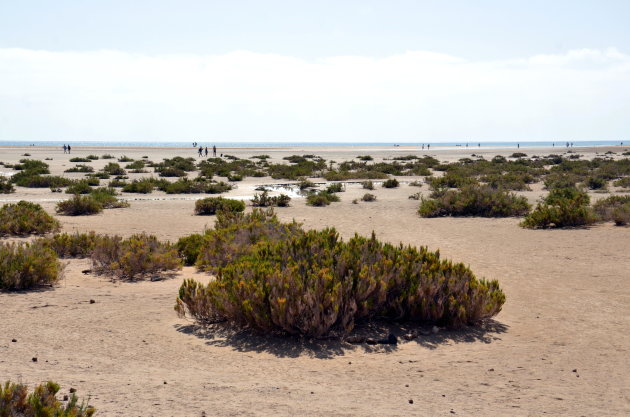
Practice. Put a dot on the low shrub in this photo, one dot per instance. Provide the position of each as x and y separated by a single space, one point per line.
391 183
276 277
415 196
71 245
15 400
336 187
367 185
80 168
265 200
623 182
24 179
79 205
305 184
368 197
321 199
563 207
133 258
415 183
112 168
614 208
474 200
79 187
92 157
5 186
125 158
24 218
365 157
141 186
27 265
107 156
79 159
518 155
596 183
212 205
106 197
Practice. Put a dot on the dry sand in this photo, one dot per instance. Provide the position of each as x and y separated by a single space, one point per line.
559 347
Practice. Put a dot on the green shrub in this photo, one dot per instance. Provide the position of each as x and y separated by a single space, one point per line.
415 196
106 197
212 205
125 158
275 277
336 188
518 155
15 400
80 168
368 197
474 200
79 187
415 183
33 166
367 185
92 157
171 172
623 182
99 175
67 245
23 218
563 207
189 248
265 200
25 179
305 184
321 199
613 208
5 186
596 183
112 168
26 265
79 205
108 156
79 159
390 183
141 186
132 258
365 157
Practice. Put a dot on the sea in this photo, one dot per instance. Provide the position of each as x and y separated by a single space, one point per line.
259 144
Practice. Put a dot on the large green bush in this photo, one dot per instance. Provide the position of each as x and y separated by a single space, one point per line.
26 265
213 205
75 245
15 401
25 218
474 200
272 276
563 207
132 258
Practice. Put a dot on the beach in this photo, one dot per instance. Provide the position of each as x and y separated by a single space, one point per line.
559 346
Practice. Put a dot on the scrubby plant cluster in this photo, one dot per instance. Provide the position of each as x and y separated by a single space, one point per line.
5 186
614 208
71 245
16 401
278 277
213 205
79 205
135 257
24 218
473 200
563 207
265 200
321 198
27 265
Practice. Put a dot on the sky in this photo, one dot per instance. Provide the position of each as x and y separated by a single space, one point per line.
295 71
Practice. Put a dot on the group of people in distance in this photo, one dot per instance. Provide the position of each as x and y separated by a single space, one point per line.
66 148
201 150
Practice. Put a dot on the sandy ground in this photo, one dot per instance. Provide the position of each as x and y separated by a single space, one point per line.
559 347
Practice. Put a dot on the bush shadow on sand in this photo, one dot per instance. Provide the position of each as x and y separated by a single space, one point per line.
284 346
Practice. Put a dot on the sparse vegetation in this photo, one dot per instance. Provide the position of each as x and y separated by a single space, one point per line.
367 197
5 186
391 183
265 200
15 401
80 159
614 208
367 185
321 198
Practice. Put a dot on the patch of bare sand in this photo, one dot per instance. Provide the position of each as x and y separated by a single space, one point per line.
568 308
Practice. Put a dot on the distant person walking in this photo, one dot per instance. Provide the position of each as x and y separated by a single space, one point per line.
200 150
65 149
69 148
214 151
206 151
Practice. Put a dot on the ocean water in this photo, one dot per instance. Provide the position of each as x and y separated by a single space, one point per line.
434 145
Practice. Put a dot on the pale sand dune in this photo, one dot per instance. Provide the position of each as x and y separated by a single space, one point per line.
568 308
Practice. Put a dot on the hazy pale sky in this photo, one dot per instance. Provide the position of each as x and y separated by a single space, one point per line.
306 71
